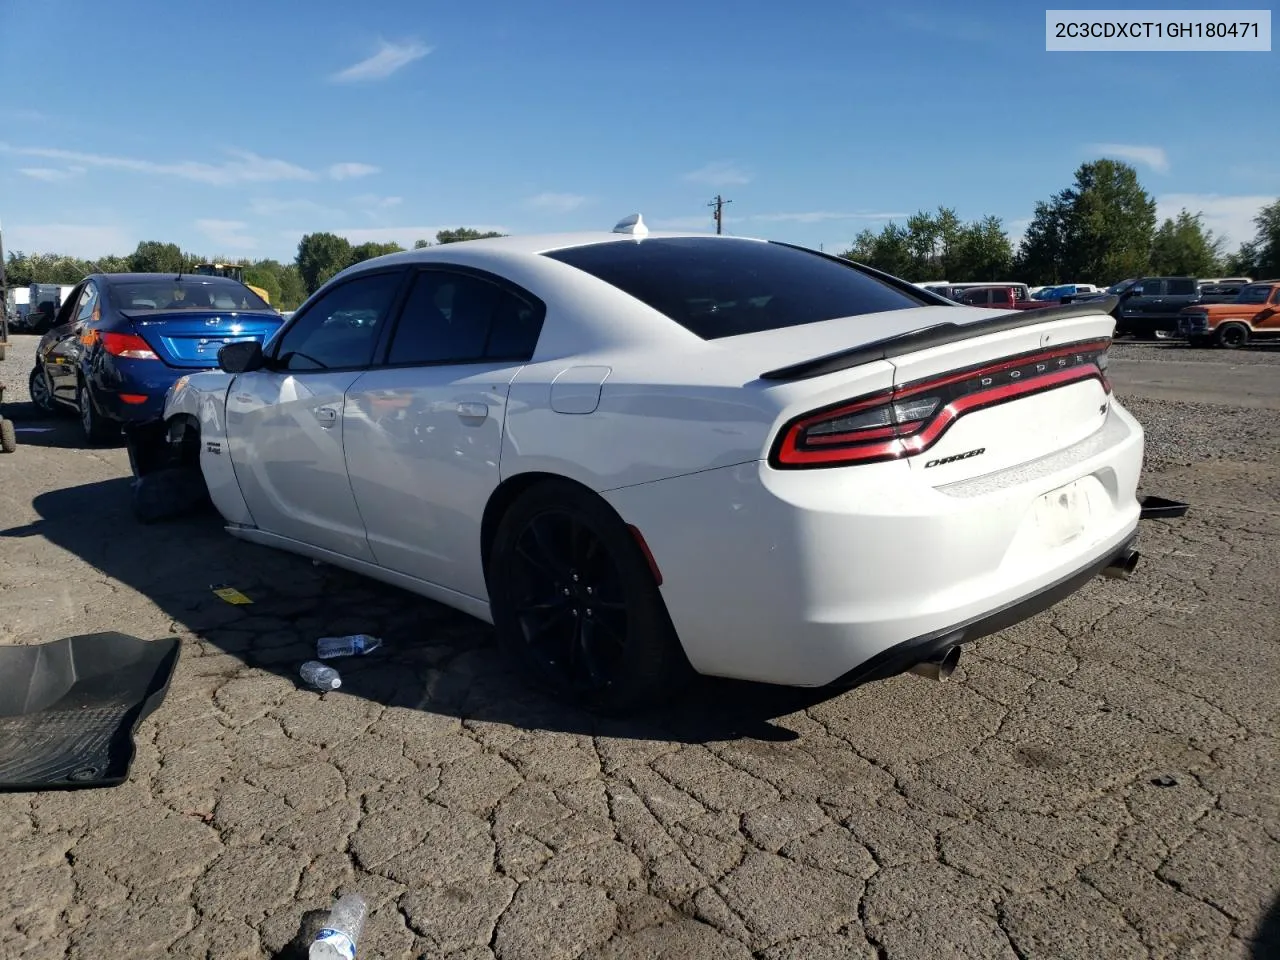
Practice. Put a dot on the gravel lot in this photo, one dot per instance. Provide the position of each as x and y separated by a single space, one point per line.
1098 782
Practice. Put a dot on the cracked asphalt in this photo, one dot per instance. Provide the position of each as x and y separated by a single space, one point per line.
1100 781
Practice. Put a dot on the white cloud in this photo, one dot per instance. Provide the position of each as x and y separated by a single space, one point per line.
1153 157
52 174
75 240
558 202
389 58
227 234
719 173
1230 217
821 216
352 171
246 167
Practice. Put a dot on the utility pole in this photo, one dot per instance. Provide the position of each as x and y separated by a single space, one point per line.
718 203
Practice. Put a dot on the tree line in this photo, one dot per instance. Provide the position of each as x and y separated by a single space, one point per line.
320 257
1101 229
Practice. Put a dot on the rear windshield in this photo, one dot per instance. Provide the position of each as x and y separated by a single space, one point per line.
723 287
189 293
1254 294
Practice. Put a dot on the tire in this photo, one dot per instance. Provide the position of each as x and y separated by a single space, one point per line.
38 389
627 636
97 430
1231 336
8 437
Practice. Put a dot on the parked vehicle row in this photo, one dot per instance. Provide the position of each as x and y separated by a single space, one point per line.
1254 314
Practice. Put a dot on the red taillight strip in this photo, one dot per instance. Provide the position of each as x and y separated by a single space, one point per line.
908 439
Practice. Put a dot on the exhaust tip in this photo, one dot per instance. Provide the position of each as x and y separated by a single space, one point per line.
1123 566
938 667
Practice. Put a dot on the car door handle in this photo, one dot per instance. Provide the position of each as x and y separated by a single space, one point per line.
327 416
473 411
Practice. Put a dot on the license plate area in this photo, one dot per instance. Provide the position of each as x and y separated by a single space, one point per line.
1062 515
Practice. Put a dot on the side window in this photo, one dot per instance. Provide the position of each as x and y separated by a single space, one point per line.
1182 288
341 328
459 318
1152 288
70 308
88 303
1275 295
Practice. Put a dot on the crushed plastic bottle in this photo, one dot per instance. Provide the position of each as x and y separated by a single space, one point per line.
342 928
321 676
355 645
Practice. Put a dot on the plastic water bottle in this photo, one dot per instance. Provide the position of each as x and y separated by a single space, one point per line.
337 941
353 646
321 676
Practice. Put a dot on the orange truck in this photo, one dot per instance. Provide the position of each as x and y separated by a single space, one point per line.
1253 315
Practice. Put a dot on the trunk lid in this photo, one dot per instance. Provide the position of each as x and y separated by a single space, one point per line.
1024 393
965 393
192 338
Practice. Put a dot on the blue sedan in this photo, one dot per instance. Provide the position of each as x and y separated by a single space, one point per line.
121 340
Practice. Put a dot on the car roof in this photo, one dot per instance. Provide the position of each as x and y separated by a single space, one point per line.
532 244
136 277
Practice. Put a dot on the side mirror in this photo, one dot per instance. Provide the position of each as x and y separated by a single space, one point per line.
241 357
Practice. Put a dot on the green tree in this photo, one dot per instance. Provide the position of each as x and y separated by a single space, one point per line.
1039 258
321 256
1098 230
464 233
1182 247
367 251
1261 255
1110 224
152 256
980 251
889 250
292 290
420 244
266 275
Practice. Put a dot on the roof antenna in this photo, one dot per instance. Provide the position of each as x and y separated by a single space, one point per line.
633 225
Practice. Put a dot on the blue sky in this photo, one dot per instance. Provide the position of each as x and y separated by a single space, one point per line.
234 128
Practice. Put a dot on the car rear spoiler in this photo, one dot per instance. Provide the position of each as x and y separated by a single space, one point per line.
936 336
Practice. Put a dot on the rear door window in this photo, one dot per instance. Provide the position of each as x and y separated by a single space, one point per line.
1182 287
455 317
725 286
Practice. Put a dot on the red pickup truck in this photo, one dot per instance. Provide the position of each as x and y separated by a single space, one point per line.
1004 297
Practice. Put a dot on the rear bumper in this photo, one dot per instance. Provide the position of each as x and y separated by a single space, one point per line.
133 378
898 659
811 578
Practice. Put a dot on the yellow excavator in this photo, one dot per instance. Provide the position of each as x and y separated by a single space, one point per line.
232 271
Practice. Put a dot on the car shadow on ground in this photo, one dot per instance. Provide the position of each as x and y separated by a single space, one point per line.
1266 942
36 428
433 657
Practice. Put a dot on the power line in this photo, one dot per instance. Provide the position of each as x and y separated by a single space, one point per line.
718 204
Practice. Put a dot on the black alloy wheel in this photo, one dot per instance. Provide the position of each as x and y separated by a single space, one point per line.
570 602
575 601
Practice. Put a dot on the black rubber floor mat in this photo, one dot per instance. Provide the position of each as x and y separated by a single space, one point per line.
69 709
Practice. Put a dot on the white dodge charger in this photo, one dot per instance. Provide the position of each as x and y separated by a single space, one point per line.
642 455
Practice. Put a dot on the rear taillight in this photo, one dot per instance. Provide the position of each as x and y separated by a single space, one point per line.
127 345
909 419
